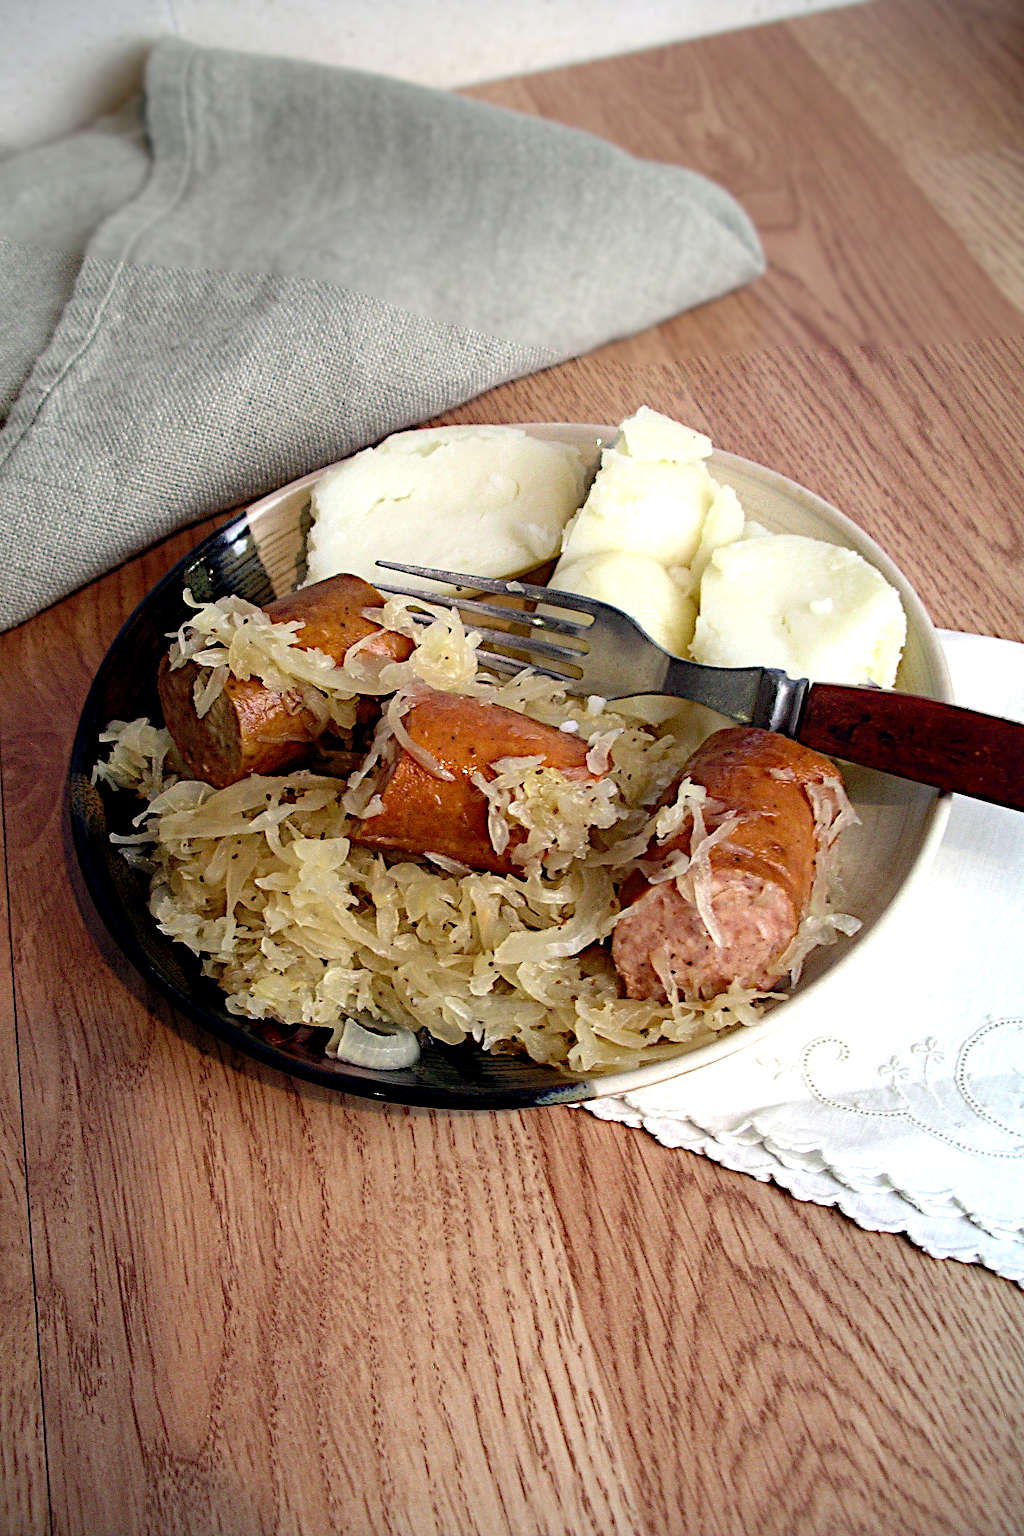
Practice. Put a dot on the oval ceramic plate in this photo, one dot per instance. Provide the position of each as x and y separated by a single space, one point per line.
261 554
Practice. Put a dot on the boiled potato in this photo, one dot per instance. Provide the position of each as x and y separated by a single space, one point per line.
723 524
652 437
493 501
814 609
639 586
650 495
654 509
644 522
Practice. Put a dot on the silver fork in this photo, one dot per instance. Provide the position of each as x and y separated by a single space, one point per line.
589 647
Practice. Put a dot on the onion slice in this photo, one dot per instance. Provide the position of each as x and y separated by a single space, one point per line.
388 1047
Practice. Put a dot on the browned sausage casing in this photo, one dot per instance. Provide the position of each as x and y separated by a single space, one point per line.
421 813
761 874
250 728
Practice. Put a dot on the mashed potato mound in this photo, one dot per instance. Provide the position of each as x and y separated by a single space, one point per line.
814 609
491 500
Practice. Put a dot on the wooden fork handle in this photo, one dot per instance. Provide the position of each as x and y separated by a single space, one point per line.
920 739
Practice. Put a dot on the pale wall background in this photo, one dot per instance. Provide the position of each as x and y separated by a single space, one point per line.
64 62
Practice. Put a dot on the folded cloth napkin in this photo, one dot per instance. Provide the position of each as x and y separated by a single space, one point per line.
283 262
902 1100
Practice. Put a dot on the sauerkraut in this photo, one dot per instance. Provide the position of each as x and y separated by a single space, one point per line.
296 922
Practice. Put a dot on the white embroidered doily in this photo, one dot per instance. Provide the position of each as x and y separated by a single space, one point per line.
901 1101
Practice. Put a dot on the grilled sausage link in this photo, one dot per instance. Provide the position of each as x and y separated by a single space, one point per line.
421 813
250 728
761 874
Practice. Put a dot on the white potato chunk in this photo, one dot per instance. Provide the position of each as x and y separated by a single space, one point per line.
650 495
814 609
724 523
493 501
653 509
649 436
640 587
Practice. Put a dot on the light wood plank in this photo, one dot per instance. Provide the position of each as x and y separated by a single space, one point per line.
24 1506
856 252
969 162
773 1376
941 79
982 197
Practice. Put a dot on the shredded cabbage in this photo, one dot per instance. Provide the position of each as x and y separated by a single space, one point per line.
823 922
141 756
262 882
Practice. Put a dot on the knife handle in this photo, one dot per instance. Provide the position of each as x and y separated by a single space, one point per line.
920 739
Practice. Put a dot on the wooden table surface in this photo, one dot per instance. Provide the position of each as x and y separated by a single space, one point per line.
235 1303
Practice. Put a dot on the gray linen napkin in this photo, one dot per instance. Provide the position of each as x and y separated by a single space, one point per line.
285 263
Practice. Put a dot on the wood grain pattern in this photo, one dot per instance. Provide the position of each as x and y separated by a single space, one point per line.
968 163
23 1501
856 251
233 1303
818 1386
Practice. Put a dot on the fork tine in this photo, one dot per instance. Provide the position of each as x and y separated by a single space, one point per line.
514 666
512 588
528 644
524 618
521 627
